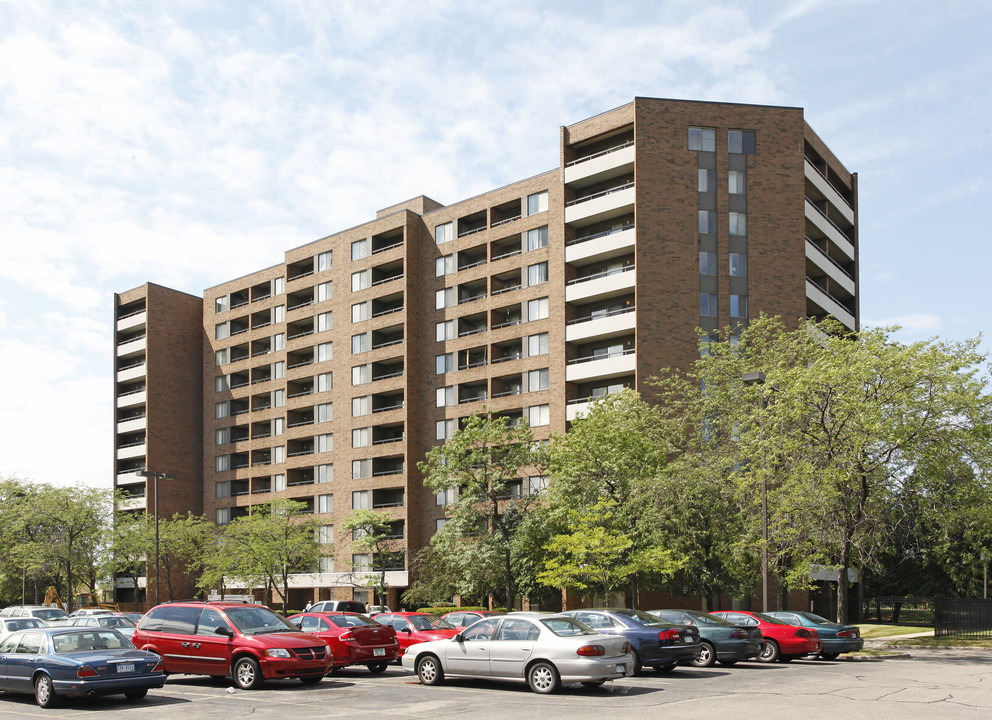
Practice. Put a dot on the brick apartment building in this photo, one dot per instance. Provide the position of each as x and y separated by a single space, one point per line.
326 377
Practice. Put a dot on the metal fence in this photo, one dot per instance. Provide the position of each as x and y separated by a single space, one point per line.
899 610
963 618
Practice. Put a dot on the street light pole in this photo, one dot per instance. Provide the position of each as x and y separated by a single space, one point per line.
756 377
156 476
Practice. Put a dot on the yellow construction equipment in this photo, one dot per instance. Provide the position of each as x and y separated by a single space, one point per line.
83 600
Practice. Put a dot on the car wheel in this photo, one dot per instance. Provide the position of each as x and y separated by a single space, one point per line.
376 668
727 663
311 679
429 670
334 670
136 694
543 678
247 673
829 656
593 683
637 663
664 668
44 692
769 653
706 656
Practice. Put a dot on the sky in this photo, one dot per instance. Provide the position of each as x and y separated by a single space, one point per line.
187 143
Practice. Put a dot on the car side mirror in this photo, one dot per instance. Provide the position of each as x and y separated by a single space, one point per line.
299 625
458 638
227 632
407 630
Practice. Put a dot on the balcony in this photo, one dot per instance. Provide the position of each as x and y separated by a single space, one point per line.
819 263
393 465
387 369
471 291
617 239
387 498
131 346
601 205
471 224
387 337
131 450
387 241
299 269
131 424
387 305
386 434
606 365
819 225
132 503
825 189
819 304
505 247
261 291
505 316
610 282
506 282
611 323
131 371
131 396
472 257
299 299
505 213
132 320
388 272
616 159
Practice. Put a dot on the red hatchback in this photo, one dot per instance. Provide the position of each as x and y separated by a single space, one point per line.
354 638
783 642
413 627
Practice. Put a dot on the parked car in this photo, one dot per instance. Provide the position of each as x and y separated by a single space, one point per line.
836 638
463 618
352 606
656 643
783 642
353 638
719 640
46 613
249 643
118 622
376 609
134 617
413 627
59 661
10 625
542 650
83 612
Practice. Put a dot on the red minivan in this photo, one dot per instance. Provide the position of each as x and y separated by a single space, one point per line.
248 643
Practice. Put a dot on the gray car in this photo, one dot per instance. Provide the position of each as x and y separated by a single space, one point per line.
542 650
9 625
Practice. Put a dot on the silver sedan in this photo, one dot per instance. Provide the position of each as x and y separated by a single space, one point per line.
543 650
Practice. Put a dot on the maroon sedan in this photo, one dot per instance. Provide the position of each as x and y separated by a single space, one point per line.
413 627
783 642
354 639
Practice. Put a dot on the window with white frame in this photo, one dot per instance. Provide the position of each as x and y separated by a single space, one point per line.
222 436
361 562
538 415
221 383
360 249
324 261
278 286
361 437
279 313
736 182
325 503
222 330
278 370
359 343
325 412
445 396
361 469
538 380
447 497
325 382
537 483
360 311
738 306
222 409
279 454
325 352
444 265
444 233
278 483
537 238
220 357
361 406
707 221
738 265
325 473
537 309
325 534
278 398
444 330
439 523
538 344
361 280
707 304
444 363
278 342
222 303
707 263
325 291
360 374
222 463
325 443
706 180
223 516
738 223
361 500
325 564
324 322
702 139
444 429
279 426
537 273
444 298
538 202
222 489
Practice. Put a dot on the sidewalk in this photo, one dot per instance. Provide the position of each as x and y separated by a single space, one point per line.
880 642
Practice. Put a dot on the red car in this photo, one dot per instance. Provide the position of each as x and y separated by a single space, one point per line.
354 638
463 618
783 642
413 627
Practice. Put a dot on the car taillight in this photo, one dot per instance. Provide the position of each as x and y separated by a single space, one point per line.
626 649
668 635
587 650
847 633
346 636
86 671
802 632
740 634
159 667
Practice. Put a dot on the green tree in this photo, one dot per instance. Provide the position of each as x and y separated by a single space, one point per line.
373 532
185 542
132 542
482 463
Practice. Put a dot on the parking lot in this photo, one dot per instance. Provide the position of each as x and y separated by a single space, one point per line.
932 683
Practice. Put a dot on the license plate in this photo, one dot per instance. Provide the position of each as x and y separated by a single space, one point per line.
379 651
621 668
125 667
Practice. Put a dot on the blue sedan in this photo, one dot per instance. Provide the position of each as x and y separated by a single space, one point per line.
657 643
836 638
721 641
59 661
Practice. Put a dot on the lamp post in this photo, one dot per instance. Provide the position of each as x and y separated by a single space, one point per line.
156 476
756 377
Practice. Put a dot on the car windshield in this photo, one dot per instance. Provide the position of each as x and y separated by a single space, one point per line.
89 640
350 620
768 619
429 622
50 613
706 619
256 620
114 621
645 619
567 627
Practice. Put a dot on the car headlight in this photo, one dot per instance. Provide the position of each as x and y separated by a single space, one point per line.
277 652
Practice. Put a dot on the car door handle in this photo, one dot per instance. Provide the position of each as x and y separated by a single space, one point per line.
196 646
185 644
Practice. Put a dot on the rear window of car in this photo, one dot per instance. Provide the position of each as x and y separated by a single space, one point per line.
429 622
567 627
89 640
350 620
171 619
49 613
23 624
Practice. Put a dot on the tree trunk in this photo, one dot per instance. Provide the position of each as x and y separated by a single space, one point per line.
507 568
845 561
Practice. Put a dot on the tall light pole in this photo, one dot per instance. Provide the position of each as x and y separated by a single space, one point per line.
155 476
756 377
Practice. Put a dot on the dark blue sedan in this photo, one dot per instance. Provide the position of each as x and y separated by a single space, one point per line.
836 638
58 661
656 643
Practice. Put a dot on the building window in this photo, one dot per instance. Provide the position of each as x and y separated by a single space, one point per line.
738 223
444 363
279 286
538 415
325 503
360 249
359 343
444 298
222 437
222 331
707 263
537 273
325 564
325 382
361 280
446 497
278 342
361 562
439 523
740 141
444 233
222 489
444 265
279 313
707 304
325 443
706 181
361 437
279 426
537 309
738 265
278 483
221 383
223 516
222 409
325 352
361 406
325 473
360 312
538 344
444 331
324 261
444 429
537 238
278 398
325 412
220 357
222 304
445 396
325 291
702 139
537 380
736 182
707 221
361 469
279 454
325 534
738 306
537 483
222 463
361 500
360 374
278 370
538 202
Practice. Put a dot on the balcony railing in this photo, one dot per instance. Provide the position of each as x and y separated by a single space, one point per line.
593 358
600 153
824 254
603 233
601 193
601 274
590 318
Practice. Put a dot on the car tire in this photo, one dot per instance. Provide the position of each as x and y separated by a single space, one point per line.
543 678
770 653
44 692
247 673
829 656
136 694
706 657
637 665
727 663
378 668
429 670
